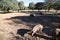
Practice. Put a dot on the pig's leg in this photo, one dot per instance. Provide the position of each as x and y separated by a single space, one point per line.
33 32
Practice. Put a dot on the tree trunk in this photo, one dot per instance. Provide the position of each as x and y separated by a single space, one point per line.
48 10
45 10
56 11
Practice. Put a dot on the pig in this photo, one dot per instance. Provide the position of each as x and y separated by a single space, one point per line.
37 28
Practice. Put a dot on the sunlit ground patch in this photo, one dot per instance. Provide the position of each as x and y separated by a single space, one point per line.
1 35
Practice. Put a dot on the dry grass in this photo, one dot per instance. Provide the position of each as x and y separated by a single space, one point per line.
1 35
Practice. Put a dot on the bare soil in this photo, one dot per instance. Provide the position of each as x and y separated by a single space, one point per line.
15 26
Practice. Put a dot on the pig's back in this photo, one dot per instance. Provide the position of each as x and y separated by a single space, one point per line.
37 27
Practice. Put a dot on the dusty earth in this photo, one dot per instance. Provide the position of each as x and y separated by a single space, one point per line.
6 28
12 23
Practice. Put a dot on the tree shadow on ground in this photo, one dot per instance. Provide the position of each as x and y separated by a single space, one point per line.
24 31
49 22
4 12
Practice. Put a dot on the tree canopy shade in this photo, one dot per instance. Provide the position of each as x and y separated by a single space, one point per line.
31 5
49 3
12 4
21 5
56 6
39 5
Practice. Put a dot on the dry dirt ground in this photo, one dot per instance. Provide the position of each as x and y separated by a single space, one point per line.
13 25
6 28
